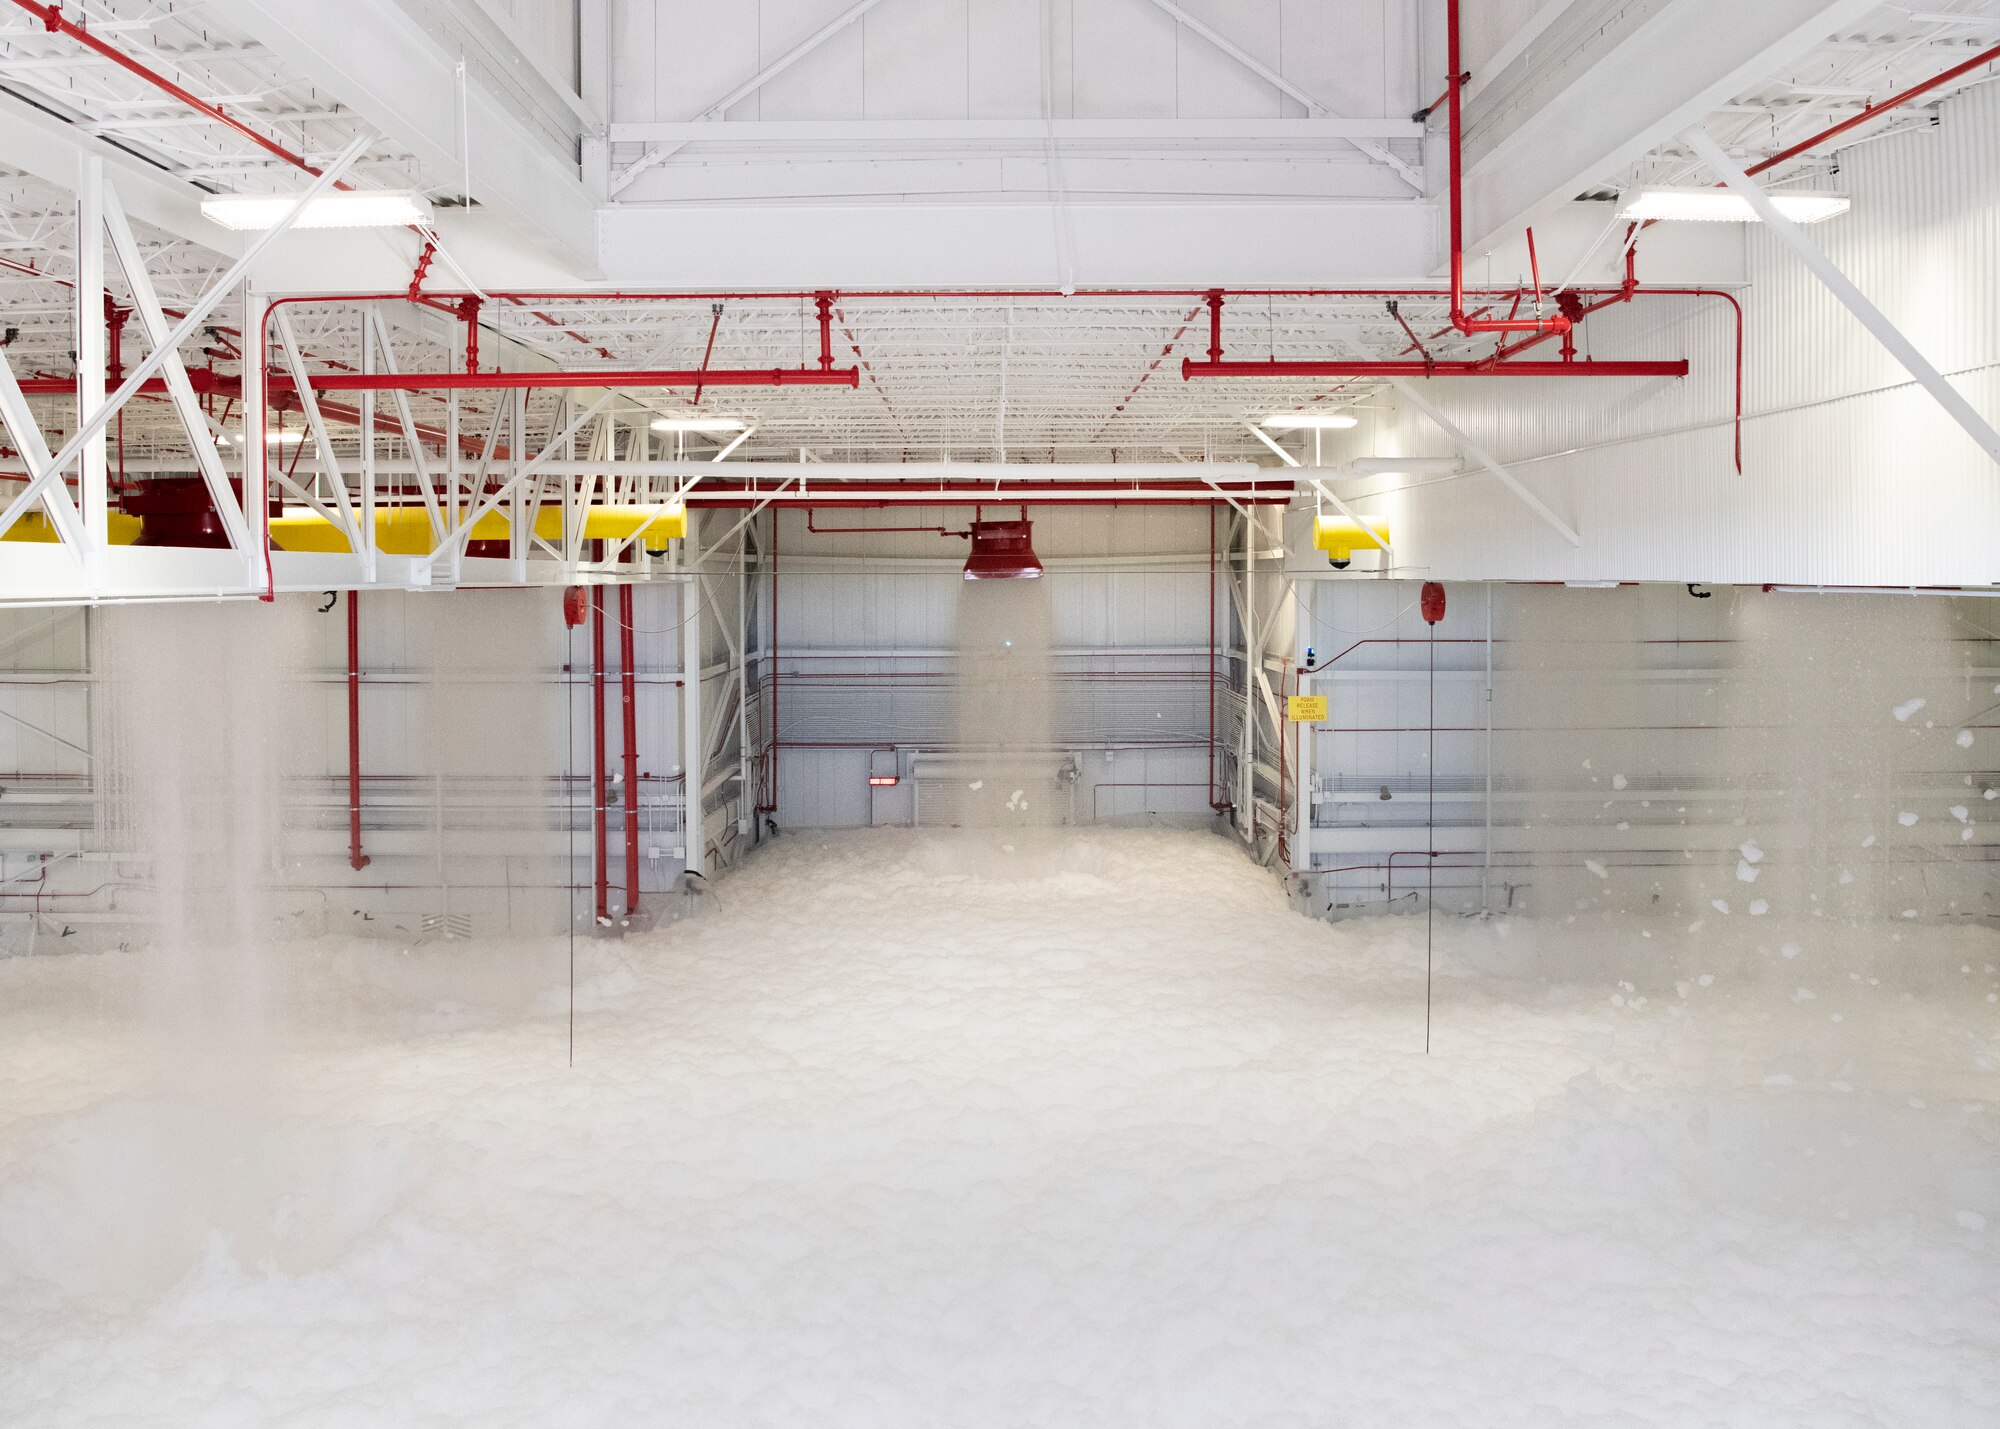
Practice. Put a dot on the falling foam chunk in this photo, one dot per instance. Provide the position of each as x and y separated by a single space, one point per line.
1907 708
1751 853
1906 819
1790 950
1597 868
1745 872
1965 834
1960 812
1706 979
1758 908
1868 842
1846 876
976 785
1965 739
1720 905
1618 781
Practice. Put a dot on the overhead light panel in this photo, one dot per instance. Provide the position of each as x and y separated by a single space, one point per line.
1692 205
347 208
697 424
1308 421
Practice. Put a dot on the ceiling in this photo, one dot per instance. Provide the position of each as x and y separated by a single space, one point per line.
1034 377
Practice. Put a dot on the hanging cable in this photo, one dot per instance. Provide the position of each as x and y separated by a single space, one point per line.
1432 602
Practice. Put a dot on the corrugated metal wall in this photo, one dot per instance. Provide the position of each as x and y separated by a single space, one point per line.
1615 749
1852 476
868 652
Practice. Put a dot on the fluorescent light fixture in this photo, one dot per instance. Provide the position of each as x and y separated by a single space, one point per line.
1308 421
1689 205
283 439
697 424
355 208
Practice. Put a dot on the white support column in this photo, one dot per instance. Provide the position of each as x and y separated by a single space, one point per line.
92 357
256 455
693 771
1246 738
367 547
520 515
1303 739
593 87
746 792
1851 297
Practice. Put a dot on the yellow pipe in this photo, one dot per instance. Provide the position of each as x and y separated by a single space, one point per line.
34 526
406 530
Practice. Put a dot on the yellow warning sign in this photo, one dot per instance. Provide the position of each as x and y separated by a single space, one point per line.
1305 709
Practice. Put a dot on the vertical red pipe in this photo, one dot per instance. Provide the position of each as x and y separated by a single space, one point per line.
597 797
771 800
629 697
356 859
1211 657
1455 118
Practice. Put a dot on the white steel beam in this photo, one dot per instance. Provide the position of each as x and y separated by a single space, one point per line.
28 441
932 134
1610 80
693 770
1479 454
180 392
1851 297
379 58
49 473
38 143
329 462
1314 106
748 87
92 348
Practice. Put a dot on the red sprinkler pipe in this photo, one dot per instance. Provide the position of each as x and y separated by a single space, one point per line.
52 19
602 875
1454 112
823 302
1480 368
1875 111
604 377
356 859
629 699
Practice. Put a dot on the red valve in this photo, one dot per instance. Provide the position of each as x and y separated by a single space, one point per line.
1433 602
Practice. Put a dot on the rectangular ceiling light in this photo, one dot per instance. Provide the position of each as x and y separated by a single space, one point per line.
1689 205
1308 422
697 424
376 208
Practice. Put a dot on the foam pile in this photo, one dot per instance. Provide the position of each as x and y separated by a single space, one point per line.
1114 1138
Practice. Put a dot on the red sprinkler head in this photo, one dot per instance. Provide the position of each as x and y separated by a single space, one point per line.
1433 603
1002 551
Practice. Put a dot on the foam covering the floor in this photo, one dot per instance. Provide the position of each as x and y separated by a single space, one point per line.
917 1131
